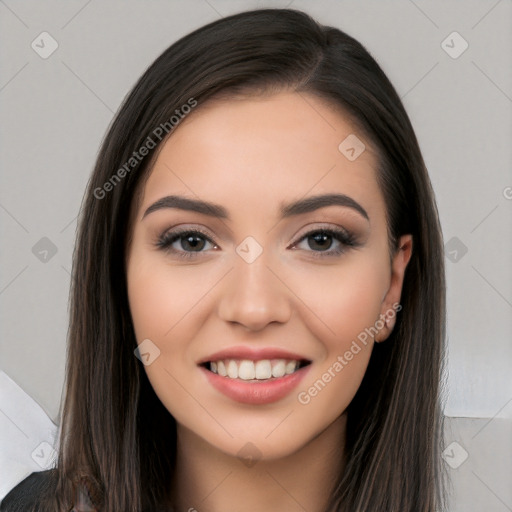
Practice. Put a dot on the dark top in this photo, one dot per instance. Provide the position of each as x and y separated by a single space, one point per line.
24 497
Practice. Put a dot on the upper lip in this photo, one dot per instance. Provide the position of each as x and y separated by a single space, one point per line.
252 354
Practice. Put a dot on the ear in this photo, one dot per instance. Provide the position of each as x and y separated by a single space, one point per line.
391 301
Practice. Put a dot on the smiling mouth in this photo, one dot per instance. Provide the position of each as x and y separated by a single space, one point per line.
260 370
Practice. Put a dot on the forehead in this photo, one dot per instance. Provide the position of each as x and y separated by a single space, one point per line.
247 151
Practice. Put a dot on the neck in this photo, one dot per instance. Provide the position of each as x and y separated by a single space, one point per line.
207 480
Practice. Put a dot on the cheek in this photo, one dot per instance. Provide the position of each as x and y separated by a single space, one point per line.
150 301
345 298
162 298
164 308
346 301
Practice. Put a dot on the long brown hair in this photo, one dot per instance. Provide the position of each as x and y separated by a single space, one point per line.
116 437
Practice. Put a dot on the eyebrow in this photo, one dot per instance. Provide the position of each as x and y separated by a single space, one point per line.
299 207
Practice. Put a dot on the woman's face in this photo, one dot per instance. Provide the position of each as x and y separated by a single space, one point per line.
252 287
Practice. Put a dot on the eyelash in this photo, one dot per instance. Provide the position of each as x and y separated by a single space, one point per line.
344 237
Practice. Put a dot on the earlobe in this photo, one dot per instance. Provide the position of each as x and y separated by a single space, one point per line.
391 301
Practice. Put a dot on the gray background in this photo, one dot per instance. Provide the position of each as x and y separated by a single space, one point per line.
55 112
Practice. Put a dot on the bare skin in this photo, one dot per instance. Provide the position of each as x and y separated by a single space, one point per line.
251 156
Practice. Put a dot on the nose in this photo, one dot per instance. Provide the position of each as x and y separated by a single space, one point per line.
254 296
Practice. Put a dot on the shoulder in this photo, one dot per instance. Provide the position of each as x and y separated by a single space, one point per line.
24 497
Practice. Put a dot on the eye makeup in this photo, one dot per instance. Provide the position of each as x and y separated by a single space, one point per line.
341 238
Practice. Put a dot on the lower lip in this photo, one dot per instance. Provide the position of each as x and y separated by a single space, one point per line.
256 393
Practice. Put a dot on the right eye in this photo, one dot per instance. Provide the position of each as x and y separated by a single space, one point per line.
192 242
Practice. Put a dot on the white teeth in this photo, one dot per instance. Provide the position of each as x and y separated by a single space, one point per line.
279 369
246 370
249 370
263 369
232 370
221 369
291 367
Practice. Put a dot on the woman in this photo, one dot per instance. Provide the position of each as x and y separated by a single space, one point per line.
258 299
